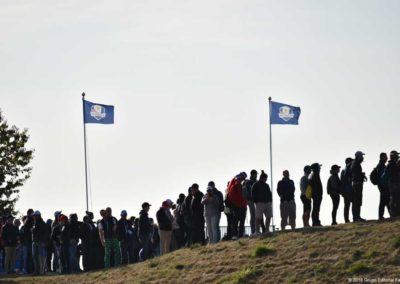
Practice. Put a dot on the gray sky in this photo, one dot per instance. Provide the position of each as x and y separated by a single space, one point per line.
190 82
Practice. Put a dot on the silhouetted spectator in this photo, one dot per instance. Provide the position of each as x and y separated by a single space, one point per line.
316 185
197 210
383 185
164 220
286 190
211 204
108 236
123 228
238 205
262 198
347 188
358 183
9 236
248 184
39 243
145 231
393 178
306 202
334 189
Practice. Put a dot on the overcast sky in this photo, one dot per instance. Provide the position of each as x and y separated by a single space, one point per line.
190 82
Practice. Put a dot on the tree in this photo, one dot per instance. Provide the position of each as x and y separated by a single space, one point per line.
14 164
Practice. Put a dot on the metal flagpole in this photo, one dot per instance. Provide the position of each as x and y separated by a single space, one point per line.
270 155
84 138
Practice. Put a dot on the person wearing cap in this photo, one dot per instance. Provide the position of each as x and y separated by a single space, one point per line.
285 191
145 231
197 209
334 190
56 243
122 233
248 184
180 233
262 197
317 192
358 178
63 233
186 213
212 214
108 237
221 206
9 237
383 187
347 188
26 237
164 220
75 227
306 202
393 177
89 240
238 204
39 242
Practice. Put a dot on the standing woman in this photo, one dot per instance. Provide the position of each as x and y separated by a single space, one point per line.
334 190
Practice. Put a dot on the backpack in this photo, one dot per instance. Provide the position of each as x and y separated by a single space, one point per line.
374 177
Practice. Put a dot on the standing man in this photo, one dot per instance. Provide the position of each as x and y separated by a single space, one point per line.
238 204
306 202
145 229
347 188
288 206
197 210
378 178
9 236
262 197
164 220
334 190
108 236
393 177
39 243
316 185
221 206
211 213
248 184
358 183
89 240
123 227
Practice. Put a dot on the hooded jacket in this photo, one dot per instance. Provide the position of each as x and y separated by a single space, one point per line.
235 194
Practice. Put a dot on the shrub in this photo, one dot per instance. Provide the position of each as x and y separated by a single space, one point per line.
262 250
179 266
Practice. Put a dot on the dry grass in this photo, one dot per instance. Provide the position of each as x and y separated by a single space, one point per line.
323 255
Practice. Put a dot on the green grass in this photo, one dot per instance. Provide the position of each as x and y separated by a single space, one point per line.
244 275
262 250
359 268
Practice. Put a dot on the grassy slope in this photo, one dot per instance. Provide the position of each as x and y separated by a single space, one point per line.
325 255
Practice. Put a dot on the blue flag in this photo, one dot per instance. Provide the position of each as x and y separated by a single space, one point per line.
284 114
98 113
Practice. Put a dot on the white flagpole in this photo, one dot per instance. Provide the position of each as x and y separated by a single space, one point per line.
270 155
84 138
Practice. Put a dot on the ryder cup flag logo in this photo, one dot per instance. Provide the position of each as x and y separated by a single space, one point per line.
284 114
98 113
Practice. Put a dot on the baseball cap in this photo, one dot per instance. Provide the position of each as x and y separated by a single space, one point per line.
335 167
37 213
146 204
57 213
359 154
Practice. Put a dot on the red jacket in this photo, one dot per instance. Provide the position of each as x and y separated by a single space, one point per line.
235 194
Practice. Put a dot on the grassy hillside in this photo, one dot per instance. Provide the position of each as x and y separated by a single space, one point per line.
325 255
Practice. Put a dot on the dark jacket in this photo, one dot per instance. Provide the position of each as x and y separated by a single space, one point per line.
122 230
393 176
316 185
56 234
357 173
164 221
248 192
144 223
261 192
334 185
9 235
89 233
286 189
197 209
40 231
382 182
108 227
346 180
220 196
75 228
65 234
